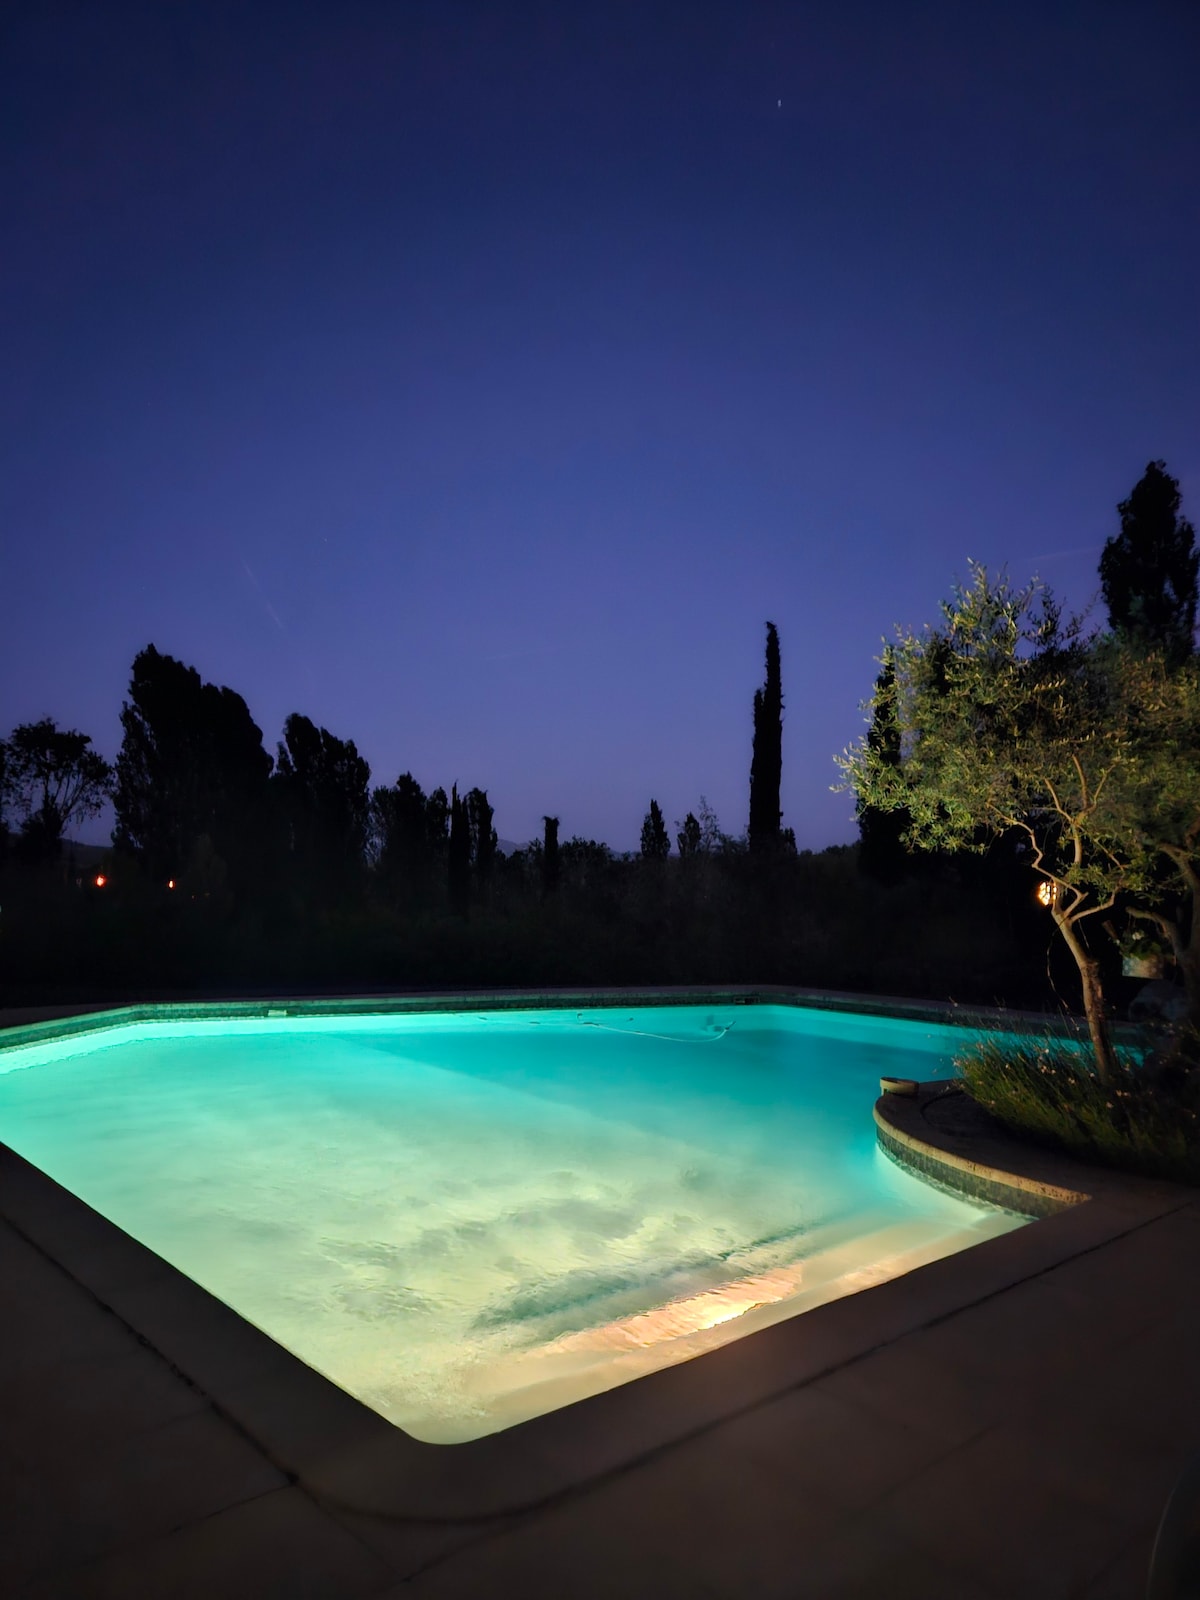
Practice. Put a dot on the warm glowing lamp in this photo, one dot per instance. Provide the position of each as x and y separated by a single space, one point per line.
101 880
170 883
1047 892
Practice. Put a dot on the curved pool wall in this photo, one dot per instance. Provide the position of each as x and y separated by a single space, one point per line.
562 1203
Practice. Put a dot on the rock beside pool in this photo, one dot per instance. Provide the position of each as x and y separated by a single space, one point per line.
1158 1001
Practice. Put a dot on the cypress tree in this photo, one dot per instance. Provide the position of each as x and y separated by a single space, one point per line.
191 766
458 855
323 786
881 855
656 841
766 762
1148 571
483 834
550 855
689 837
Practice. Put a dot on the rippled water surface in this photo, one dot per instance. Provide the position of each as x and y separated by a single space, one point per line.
468 1219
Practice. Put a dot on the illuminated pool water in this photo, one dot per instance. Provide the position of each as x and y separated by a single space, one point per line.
468 1219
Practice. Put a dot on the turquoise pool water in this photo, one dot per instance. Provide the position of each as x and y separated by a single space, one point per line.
466 1219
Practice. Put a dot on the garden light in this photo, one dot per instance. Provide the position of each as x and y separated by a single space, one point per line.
1047 892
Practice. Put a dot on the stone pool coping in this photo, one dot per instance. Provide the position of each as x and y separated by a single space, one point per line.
349 1459
942 1135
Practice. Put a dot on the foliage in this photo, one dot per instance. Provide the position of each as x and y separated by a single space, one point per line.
585 864
407 834
655 842
1148 571
458 856
766 761
1159 800
1009 721
550 862
612 921
688 838
1048 1088
700 835
191 763
322 784
483 840
54 778
882 854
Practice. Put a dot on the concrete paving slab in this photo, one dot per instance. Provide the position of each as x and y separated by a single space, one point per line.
1003 1422
66 1508
830 1448
275 1547
95 1399
1124 1578
988 1512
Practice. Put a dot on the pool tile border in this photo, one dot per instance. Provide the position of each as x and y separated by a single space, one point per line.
31 1025
918 1151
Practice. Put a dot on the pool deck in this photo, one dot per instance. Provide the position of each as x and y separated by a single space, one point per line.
1006 1422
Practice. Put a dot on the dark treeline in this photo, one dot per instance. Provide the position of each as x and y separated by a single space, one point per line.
232 869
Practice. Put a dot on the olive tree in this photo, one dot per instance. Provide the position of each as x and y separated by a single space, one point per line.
1007 723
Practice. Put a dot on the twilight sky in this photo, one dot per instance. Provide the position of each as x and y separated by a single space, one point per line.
478 379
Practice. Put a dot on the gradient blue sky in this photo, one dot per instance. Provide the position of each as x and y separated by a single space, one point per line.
478 379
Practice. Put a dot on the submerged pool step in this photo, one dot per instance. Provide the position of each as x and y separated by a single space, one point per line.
511 1387
853 1264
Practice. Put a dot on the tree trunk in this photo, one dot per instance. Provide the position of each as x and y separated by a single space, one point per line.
1188 955
1093 1000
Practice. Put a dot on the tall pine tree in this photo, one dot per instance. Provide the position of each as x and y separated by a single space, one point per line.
766 762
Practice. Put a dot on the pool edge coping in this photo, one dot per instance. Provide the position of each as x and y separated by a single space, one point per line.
905 1134
65 1021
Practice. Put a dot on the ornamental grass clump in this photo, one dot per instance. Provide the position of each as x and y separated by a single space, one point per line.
1146 1118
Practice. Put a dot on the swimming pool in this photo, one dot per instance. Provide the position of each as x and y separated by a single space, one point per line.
469 1218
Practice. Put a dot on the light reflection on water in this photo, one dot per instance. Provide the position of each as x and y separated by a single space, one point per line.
458 1218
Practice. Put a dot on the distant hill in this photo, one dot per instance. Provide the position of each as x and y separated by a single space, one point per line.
87 855
84 855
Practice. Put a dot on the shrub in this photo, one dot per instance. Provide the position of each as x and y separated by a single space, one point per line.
1146 1120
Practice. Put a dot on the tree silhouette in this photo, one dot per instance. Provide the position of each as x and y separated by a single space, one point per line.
882 854
4 797
656 841
191 764
550 855
482 835
766 762
404 837
55 779
1148 571
690 837
322 783
458 855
